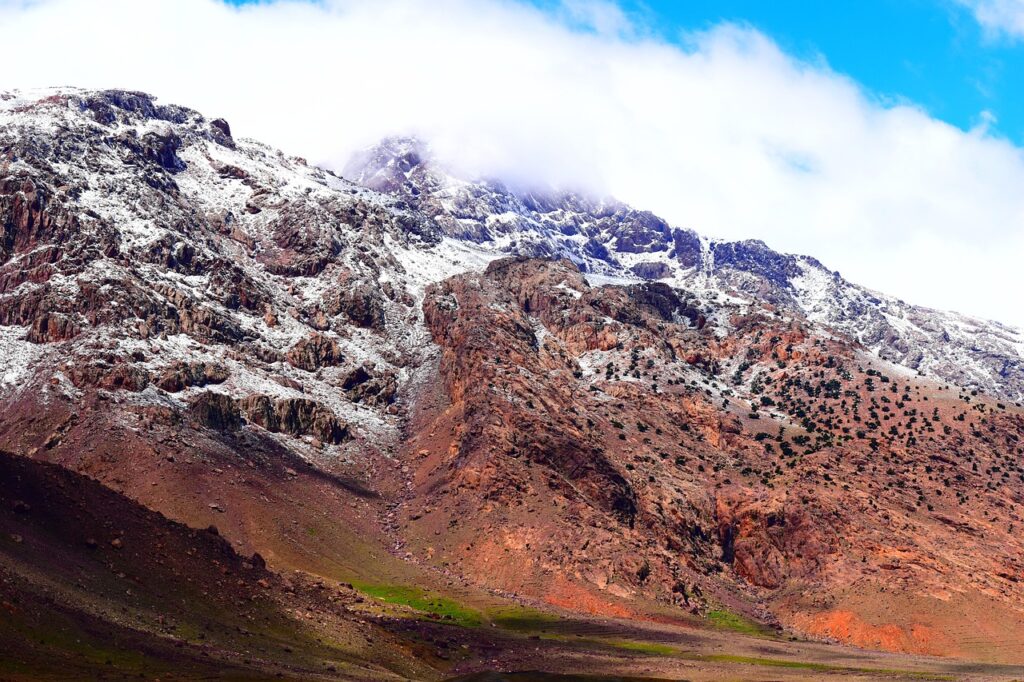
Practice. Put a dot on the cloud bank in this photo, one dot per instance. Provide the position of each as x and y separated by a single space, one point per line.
722 131
999 17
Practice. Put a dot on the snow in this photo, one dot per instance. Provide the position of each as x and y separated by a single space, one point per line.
424 267
17 357
601 280
814 288
572 292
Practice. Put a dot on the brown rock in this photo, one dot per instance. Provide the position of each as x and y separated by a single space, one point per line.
216 411
315 352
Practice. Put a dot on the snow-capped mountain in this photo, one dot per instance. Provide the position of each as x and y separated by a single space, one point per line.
608 238
161 225
177 257
348 378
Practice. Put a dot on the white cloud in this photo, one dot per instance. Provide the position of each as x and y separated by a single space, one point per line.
602 16
998 17
730 135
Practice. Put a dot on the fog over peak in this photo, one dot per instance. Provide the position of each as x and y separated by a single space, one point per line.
721 130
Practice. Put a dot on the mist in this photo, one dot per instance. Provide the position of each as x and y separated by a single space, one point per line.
718 130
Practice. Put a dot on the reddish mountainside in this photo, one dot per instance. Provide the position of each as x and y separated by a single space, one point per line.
199 330
601 434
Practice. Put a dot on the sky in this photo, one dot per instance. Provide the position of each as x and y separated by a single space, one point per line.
933 53
884 137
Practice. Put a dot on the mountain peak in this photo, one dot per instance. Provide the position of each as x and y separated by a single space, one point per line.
386 166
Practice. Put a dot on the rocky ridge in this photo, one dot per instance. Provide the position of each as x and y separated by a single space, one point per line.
144 249
607 238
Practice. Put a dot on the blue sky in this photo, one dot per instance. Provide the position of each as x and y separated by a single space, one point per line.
929 52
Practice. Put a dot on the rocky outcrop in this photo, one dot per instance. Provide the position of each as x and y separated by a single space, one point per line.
652 270
52 327
769 542
182 375
217 411
365 385
26 218
482 329
362 305
666 302
294 416
315 352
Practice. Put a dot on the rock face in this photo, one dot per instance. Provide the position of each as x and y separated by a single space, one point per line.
182 375
315 352
216 411
143 249
769 543
296 416
537 426
722 425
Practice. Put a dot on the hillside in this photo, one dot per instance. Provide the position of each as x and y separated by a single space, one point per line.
449 402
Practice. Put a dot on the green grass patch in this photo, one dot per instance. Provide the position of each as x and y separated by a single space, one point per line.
648 648
727 620
651 648
818 667
660 649
444 609
771 662
521 618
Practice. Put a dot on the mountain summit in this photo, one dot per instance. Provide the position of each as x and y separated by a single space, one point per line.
612 239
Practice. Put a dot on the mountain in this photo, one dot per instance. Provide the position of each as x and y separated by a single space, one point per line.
612 239
447 404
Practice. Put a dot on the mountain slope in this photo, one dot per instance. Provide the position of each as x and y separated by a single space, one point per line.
93 583
353 382
670 464
610 238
